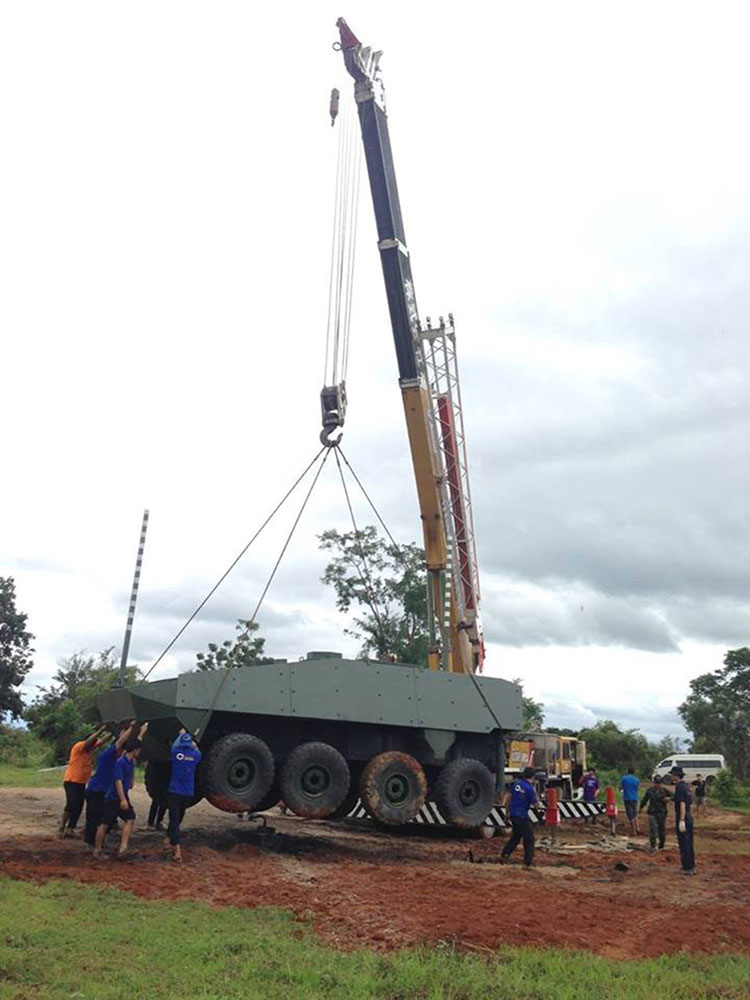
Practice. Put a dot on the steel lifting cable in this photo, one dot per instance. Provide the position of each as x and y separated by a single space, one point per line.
372 505
209 711
224 575
366 577
343 252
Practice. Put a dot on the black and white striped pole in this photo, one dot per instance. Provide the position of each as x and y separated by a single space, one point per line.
133 599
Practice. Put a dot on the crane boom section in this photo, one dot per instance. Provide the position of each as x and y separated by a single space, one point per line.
449 647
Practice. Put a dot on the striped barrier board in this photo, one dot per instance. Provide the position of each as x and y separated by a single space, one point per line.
429 814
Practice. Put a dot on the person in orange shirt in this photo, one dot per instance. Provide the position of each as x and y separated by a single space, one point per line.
77 773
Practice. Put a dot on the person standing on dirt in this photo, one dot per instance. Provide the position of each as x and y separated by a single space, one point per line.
157 780
117 804
630 784
655 802
77 773
100 782
522 797
185 758
699 786
683 801
591 788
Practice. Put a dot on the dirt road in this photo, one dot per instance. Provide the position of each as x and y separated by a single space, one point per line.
363 887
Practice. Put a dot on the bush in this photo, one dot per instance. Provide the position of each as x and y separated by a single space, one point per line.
20 748
724 788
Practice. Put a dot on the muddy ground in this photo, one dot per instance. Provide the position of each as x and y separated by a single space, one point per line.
362 887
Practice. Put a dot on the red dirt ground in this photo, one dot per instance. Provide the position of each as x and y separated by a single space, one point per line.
365 888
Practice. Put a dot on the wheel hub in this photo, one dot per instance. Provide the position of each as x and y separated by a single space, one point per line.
469 793
241 774
396 789
315 780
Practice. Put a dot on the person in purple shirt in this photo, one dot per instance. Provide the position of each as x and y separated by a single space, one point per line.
591 788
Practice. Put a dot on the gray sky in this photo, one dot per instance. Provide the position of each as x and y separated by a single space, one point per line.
574 185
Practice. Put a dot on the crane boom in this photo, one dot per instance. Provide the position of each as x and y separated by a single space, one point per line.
435 442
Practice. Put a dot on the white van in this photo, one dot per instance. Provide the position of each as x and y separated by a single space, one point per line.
693 764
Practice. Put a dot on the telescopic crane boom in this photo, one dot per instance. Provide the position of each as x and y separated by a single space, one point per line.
428 378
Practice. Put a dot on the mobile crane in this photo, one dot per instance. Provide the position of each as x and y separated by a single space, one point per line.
325 732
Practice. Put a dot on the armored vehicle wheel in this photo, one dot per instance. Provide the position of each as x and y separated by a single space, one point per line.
464 792
393 787
314 780
238 772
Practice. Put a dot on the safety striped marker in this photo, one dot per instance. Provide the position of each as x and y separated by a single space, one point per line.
430 815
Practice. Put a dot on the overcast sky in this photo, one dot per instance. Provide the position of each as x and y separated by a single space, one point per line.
574 183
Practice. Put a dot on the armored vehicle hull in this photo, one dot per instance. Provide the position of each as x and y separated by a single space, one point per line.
321 733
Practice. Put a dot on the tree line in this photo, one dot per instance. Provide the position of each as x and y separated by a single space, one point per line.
381 588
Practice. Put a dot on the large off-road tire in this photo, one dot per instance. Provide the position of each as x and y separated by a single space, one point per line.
238 772
393 788
314 780
464 792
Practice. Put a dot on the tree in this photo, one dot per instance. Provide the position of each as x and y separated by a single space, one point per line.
610 747
244 651
532 712
717 711
15 649
66 710
388 583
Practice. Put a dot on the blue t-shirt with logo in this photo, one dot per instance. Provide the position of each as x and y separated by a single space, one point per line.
185 757
629 784
124 769
522 798
105 765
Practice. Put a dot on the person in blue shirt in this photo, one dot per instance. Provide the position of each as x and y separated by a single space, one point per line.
522 797
629 785
117 804
100 781
185 758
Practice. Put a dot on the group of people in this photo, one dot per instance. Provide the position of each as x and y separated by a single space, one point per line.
106 792
656 801
521 796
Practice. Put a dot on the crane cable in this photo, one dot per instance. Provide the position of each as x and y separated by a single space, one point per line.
343 251
366 576
224 575
227 670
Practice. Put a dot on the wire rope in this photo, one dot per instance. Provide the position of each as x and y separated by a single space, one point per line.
365 576
224 575
209 711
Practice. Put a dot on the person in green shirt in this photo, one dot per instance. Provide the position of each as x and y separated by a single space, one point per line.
655 802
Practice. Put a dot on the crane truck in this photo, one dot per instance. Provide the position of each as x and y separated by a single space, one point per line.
325 732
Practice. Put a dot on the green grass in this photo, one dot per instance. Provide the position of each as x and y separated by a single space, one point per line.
28 777
59 940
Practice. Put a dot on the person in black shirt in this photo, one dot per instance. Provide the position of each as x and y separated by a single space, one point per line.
684 821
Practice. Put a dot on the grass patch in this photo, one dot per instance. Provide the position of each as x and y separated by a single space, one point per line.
28 777
76 942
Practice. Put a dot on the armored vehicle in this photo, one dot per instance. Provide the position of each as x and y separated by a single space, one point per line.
322 732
